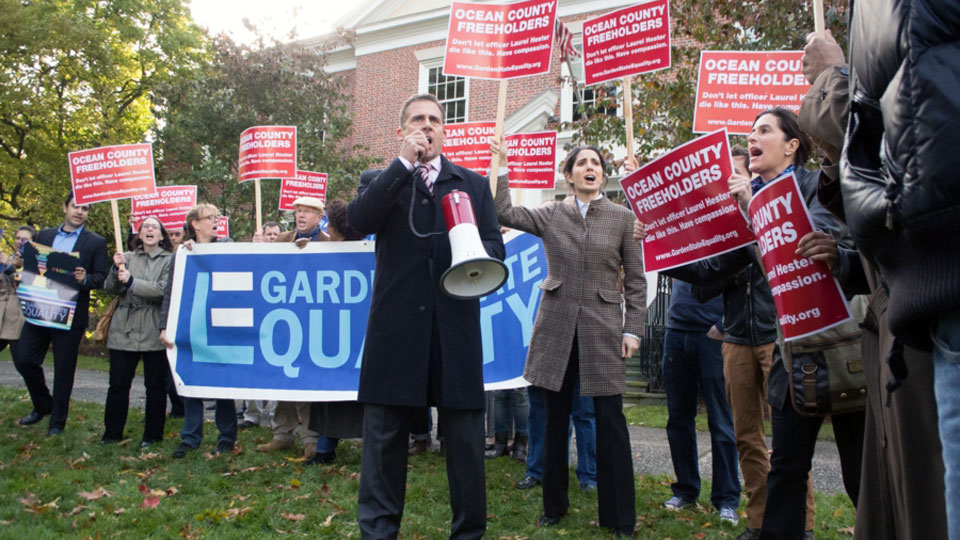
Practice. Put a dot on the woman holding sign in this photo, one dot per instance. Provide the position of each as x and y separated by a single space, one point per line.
140 284
202 221
778 147
580 332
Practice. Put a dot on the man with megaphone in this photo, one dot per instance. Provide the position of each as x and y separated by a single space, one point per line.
423 345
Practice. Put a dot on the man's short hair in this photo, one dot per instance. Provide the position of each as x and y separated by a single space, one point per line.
421 97
66 202
30 230
272 224
739 151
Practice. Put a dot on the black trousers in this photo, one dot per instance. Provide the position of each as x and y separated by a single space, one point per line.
123 365
34 343
794 442
616 496
383 471
176 404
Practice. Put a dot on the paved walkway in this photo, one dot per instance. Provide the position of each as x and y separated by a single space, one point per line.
650 449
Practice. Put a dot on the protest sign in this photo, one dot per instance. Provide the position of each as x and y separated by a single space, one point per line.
627 42
223 228
735 86
48 291
466 145
807 297
531 159
268 152
112 172
500 41
294 329
169 204
683 199
305 184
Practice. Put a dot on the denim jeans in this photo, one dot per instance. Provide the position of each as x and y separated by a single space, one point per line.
692 360
326 445
225 417
583 420
946 377
509 404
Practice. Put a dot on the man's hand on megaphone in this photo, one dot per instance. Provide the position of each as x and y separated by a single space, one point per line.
498 147
414 144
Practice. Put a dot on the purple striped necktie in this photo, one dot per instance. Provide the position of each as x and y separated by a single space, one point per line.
425 169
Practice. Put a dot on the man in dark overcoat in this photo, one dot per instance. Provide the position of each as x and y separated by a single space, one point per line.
423 348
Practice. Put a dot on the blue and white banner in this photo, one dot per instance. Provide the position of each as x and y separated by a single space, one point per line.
272 321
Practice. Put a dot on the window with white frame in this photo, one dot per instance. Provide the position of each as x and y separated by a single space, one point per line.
451 92
587 95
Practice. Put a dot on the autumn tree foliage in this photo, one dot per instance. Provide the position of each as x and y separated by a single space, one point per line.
79 74
250 85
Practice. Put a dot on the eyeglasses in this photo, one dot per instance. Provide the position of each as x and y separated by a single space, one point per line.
150 226
214 218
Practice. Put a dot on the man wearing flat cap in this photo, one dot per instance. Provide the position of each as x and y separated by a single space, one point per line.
307 212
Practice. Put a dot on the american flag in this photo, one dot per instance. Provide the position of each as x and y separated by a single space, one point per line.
564 40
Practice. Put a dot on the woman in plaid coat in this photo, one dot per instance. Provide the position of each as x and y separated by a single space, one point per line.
581 331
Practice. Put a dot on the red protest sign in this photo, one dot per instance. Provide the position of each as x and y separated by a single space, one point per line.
169 204
683 199
735 86
807 297
627 42
532 159
491 41
112 172
268 152
466 145
223 228
305 184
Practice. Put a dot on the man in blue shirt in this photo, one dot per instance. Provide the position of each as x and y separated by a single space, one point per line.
91 248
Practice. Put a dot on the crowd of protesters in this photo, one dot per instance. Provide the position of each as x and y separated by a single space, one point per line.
887 228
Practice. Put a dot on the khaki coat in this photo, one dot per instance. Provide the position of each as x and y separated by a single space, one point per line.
136 323
11 318
581 294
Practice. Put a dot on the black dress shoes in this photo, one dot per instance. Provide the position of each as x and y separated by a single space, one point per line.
546 520
32 418
54 431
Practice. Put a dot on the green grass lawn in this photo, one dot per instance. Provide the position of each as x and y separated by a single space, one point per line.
83 362
656 416
71 487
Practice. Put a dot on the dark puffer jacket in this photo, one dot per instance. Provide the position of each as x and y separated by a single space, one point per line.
900 170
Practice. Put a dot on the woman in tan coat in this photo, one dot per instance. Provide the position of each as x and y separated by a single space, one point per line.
135 332
581 331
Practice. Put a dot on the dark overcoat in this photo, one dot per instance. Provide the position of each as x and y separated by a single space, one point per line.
92 249
407 300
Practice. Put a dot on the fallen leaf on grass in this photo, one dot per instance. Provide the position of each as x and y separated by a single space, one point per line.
329 520
325 489
237 512
295 483
700 536
119 511
846 530
150 455
292 517
150 502
97 494
79 508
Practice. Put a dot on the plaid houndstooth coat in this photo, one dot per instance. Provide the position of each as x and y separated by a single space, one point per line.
581 293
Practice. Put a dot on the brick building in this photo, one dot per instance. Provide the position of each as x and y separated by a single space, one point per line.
398 51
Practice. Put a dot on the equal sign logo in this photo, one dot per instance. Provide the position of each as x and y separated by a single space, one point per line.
232 282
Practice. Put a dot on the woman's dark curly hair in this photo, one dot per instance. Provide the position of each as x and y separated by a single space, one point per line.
337 219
